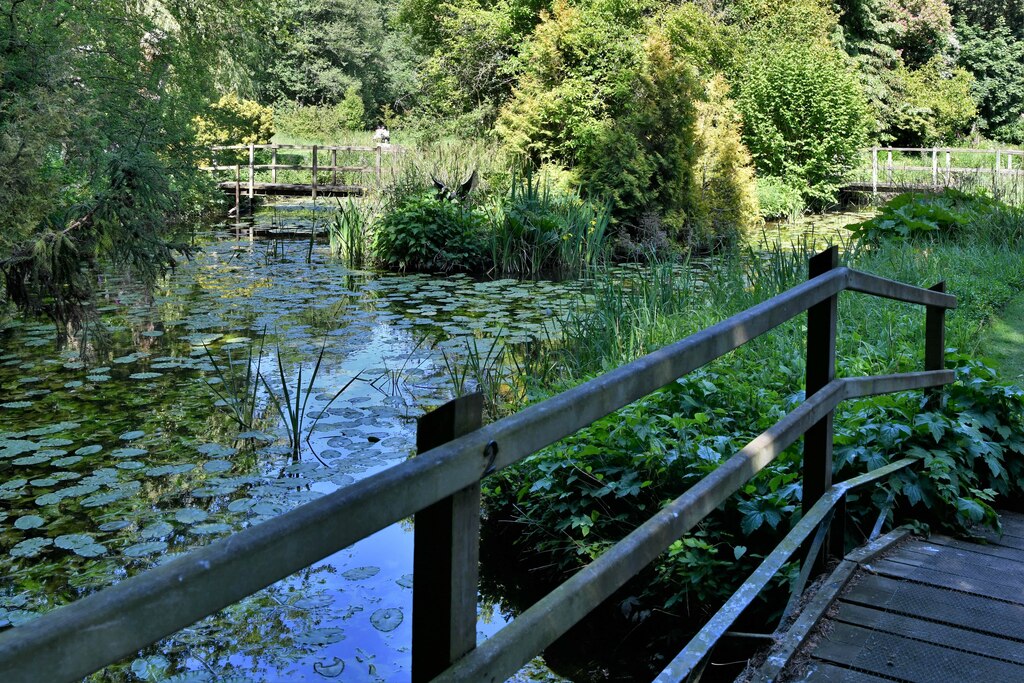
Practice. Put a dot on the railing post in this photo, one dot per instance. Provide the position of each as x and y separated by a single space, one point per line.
334 164
821 369
888 166
379 162
238 191
252 170
315 169
874 170
935 167
446 553
935 342
273 165
949 173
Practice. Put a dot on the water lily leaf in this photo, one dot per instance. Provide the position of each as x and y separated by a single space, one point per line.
13 405
98 378
115 525
268 508
361 573
387 620
145 375
31 459
210 529
241 505
157 530
128 452
45 482
169 469
217 466
319 637
68 461
31 547
144 549
191 515
106 498
54 429
130 465
29 522
405 581
216 450
72 541
133 435
89 450
329 668
149 668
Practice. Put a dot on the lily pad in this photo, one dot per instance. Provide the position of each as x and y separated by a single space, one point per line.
218 466
387 619
29 522
133 435
14 405
145 375
144 549
31 547
191 515
156 530
361 573
329 668
216 450
210 529
89 450
320 637
116 525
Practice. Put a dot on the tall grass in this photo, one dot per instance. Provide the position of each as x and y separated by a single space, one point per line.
349 231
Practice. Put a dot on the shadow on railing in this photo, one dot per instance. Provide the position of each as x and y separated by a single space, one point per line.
441 487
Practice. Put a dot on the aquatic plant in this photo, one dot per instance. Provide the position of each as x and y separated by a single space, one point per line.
349 233
238 392
292 402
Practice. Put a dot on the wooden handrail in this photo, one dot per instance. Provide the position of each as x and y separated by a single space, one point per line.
122 619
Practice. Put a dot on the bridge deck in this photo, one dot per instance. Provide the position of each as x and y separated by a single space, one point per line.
935 610
293 189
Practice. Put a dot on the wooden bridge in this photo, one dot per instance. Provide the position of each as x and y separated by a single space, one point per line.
897 169
311 170
441 488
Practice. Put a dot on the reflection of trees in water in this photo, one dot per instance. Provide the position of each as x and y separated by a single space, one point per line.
254 637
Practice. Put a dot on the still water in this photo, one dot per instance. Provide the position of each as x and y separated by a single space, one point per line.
155 435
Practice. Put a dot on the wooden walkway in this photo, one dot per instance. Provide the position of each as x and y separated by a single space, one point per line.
928 610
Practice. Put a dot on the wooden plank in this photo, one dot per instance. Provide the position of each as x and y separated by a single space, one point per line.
931 577
944 635
909 660
982 614
995 550
999 539
811 613
962 563
822 672
821 369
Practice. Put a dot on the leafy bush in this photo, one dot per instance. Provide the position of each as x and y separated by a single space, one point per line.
805 115
234 121
426 233
930 105
724 195
325 123
777 199
916 214
601 94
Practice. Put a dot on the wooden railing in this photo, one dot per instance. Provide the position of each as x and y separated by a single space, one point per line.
245 176
936 167
441 487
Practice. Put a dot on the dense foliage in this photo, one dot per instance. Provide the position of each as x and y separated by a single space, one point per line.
96 135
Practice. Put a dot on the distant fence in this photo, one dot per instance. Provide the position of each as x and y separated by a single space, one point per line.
889 169
312 170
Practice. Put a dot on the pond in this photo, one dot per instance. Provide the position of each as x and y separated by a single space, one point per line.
157 437
163 430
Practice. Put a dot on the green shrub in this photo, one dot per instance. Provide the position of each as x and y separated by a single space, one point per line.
724 202
777 199
805 115
931 105
425 233
234 121
917 214
324 124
